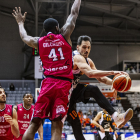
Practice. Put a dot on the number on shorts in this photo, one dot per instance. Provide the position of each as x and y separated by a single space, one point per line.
73 114
54 56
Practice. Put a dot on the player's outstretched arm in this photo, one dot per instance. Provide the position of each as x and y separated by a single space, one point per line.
29 40
13 122
81 63
69 26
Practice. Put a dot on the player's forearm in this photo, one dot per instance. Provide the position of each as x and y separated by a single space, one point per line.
105 80
22 31
75 7
99 73
15 130
95 123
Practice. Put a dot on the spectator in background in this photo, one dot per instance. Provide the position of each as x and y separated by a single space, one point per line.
118 99
94 113
85 115
0 85
137 110
86 120
90 115
80 114
12 87
92 126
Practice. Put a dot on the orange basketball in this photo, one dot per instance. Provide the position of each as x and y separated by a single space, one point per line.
122 82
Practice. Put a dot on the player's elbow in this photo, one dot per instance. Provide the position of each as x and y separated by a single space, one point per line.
89 75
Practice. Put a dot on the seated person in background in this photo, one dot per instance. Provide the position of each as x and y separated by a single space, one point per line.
118 99
113 101
86 121
12 87
92 126
80 114
137 110
94 113
90 115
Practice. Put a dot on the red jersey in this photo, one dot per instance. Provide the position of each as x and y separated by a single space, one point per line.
56 56
5 127
24 117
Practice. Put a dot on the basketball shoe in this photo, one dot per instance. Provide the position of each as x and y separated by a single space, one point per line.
123 118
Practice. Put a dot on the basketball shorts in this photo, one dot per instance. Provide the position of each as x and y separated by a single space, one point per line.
53 99
78 95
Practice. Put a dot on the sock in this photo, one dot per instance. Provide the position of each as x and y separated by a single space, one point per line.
114 115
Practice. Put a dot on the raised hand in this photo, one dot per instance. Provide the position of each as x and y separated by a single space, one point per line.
8 119
18 15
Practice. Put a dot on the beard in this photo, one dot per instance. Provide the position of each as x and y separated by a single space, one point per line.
2 101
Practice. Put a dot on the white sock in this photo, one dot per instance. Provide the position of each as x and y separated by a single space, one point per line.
114 115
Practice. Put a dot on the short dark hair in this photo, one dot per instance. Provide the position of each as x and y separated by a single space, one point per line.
50 25
26 93
83 38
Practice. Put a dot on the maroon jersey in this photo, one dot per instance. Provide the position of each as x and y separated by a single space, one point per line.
5 127
56 56
24 117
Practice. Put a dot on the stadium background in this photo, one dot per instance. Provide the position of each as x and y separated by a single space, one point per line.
113 26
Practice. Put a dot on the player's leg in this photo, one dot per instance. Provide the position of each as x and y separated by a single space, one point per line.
59 107
32 129
120 119
94 92
56 129
73 119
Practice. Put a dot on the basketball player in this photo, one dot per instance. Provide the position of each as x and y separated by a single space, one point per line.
8 119
24 114
56 55
105 122
83 92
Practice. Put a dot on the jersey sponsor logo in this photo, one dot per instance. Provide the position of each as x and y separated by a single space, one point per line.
57 68
53 44
25 125
60 108
2 131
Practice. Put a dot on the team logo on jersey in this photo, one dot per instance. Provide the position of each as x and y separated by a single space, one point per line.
60 108
8 110
2 131
50 37
20 106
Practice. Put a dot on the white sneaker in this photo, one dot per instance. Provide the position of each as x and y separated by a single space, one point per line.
123 118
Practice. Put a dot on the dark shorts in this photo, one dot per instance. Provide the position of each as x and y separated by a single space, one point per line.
78 94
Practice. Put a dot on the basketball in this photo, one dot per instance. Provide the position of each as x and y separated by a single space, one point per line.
122 82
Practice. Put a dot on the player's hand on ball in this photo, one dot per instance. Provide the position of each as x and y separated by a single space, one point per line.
102 129
120 72
18 16
8 119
